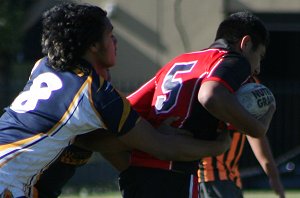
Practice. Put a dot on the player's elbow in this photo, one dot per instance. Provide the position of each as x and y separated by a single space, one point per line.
257 131
256 135
207 100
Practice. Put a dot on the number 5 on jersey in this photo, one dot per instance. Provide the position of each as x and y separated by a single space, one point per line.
171 86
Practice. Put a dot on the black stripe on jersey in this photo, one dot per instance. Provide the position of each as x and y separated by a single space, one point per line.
216 170
225 156
237 150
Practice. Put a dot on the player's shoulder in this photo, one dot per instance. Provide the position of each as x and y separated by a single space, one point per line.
37 67
234 55
233 59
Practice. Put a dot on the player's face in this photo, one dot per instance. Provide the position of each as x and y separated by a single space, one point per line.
108 50
255 57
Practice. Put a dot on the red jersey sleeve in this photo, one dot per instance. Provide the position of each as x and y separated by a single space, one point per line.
141 100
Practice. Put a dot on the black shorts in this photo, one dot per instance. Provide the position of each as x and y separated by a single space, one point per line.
140 182
219 189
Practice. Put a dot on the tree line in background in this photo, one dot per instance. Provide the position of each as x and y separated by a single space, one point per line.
12 18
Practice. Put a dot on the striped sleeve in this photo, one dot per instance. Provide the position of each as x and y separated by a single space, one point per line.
113 108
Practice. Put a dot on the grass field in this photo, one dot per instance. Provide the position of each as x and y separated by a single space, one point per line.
247 194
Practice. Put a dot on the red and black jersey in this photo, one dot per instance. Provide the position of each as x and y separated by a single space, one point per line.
173 93
226 165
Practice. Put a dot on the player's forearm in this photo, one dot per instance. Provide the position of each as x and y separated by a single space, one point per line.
119 160
263 154
194 149
101 141
224 106
108 145
171 147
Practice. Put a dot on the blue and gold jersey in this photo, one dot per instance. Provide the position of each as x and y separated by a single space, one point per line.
52 109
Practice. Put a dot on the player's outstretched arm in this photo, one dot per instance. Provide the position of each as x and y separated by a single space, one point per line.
108 145
168 143
263 153
225 106
172 146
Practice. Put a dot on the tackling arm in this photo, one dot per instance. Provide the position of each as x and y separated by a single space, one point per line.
108 145
172 147
165 145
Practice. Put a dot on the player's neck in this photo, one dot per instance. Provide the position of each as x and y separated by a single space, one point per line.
100 70
104 72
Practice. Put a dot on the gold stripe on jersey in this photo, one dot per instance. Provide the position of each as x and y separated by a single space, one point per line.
78 72
71 106
126 111
90 79
101 79
19 143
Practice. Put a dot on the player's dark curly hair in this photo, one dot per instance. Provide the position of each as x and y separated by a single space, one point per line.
239 24
69 29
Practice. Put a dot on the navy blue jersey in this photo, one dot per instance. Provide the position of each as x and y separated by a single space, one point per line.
46 116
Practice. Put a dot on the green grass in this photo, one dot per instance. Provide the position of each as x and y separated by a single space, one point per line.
247 194
270 194
100 195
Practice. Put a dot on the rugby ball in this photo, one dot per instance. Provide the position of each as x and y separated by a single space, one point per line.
255 98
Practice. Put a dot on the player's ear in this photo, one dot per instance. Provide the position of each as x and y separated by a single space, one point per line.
94 47
246 43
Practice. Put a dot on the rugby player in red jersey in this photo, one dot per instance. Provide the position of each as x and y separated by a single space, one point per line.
198 87
219 176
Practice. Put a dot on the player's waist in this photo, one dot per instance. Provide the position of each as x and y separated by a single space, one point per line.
219 174
142 159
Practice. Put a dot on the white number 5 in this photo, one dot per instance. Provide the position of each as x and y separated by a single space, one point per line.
41 89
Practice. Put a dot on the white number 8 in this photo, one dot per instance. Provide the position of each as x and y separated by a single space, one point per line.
41 89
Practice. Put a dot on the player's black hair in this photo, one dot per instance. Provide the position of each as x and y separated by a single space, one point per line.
240 24
69 29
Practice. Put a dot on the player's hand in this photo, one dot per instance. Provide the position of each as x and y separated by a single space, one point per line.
167 128
277 187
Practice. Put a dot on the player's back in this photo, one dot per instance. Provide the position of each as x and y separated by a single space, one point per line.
51 110
176 89
178 83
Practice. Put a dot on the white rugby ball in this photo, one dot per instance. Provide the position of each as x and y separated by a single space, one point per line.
255 98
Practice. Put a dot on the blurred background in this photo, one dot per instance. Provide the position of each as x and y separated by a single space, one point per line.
150 33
